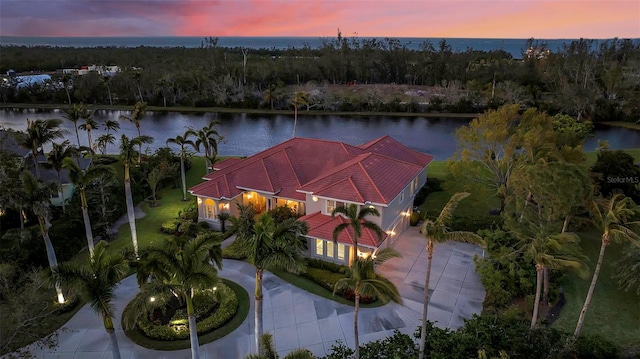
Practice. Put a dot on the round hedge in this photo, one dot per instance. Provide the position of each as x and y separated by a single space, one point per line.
209 329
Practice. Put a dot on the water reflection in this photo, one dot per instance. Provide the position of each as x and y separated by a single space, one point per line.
246 134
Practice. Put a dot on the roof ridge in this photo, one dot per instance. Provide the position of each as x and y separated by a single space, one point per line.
340 167
295 175
371 180
356 189
372 142
266 172
332 184
394 159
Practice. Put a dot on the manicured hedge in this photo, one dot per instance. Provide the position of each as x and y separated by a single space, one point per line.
327 278
226 310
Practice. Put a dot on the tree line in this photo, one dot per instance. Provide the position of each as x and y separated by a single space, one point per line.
599 81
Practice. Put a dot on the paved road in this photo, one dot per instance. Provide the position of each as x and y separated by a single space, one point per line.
297 318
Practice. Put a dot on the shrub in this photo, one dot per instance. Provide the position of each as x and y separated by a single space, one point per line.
330 266
327 279
432 185
469 223
225 311
281 213
170 226
234 251
414 219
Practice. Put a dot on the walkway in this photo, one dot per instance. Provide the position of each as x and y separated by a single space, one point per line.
297 318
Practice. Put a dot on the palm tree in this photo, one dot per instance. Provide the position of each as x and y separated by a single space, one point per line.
103 141
38 194
97 282
180 267
59 152
269 351
183 141
436 231
73 114
88 125
357 221
300 98
106 80
223 217
209 138
556 251
269 245
614 217
138 113
363 280
111 125
270 95
37 134
127 155
80 180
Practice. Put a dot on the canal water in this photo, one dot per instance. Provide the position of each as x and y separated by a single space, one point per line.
246 134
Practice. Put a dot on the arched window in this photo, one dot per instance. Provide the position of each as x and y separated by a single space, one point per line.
209 209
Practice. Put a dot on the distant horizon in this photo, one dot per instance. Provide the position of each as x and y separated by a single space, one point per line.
480 19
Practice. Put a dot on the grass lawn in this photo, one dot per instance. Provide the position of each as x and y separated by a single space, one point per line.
613 314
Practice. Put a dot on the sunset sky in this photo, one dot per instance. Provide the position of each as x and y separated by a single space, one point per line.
393 18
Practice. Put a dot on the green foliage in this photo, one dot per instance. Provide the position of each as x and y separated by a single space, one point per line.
627 271
235 251
433 185
281 213
170 226
504 271
474 224
330 266
616 171
327 274
491 333
227 308
414 219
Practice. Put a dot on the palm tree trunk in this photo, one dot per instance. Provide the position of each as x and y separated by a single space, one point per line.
87 222
51 255
356 340
258 310
295 119
565 224
536 302
182 176
140 147
425 306
90 144
592 286
35 162
193 330
77 134
130 209
115 348
21 214
64 206
109 91
545 285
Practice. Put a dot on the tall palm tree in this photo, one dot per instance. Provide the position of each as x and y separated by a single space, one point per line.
97 282
38 133
89 125
557 251
60 151
138 113
73 114
128 154
80 180
103 141
270 95
183 141
357 221
300 98
209 138
436 231
363 280
270 245
616 218
106 80
269 351
111 125
181 267
38 194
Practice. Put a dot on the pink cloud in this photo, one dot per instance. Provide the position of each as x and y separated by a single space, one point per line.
322 18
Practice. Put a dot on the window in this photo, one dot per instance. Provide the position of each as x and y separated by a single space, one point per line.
319 247
330 246
331 205
414 186
402 196
341 249
209 209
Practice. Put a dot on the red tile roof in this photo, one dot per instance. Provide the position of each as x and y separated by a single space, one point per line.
376 171
322 226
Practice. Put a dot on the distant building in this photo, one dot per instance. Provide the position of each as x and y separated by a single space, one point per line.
31 80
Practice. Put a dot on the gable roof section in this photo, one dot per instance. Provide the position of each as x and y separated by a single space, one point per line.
321 226
374 172
9 143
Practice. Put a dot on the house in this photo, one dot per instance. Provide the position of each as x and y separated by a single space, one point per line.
312 177
9 144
